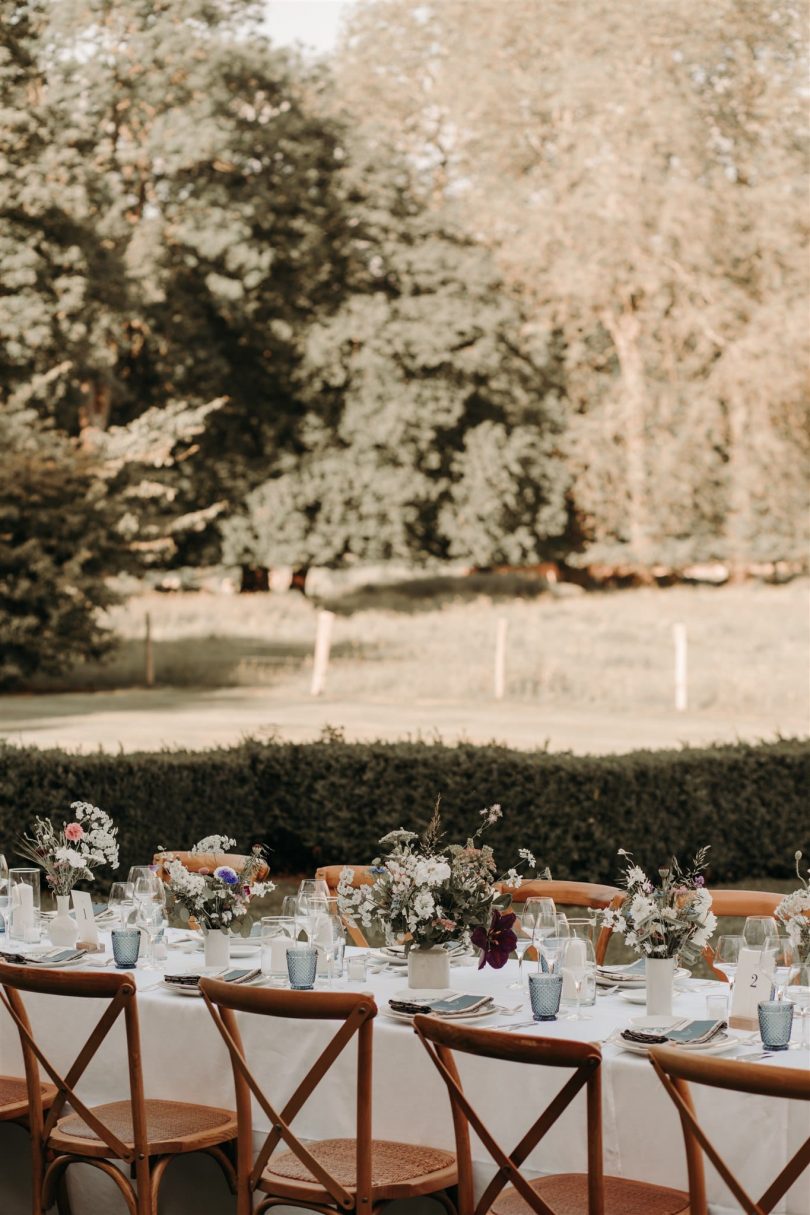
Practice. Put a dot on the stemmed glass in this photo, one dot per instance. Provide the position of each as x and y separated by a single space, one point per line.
312 902
727 957
759 930
122 901
578 961
528 924
798 990
149 896
554 945
3 893
784 954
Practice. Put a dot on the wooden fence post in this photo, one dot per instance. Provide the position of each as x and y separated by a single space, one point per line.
323 642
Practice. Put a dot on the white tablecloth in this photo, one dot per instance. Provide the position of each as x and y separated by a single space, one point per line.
185 1059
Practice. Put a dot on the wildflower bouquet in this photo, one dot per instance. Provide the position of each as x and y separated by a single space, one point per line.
434 892
794 912
71 852
217 899
672 920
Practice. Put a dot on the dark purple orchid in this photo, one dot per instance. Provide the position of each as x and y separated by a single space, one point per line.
497 942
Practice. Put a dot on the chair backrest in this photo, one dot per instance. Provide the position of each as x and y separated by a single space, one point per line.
739 904
355 1015
677 1068
120 993
583 1058
360 877
571 894
197 862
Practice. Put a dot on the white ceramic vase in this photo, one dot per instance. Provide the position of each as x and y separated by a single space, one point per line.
660 974
429 968
63 930
217 948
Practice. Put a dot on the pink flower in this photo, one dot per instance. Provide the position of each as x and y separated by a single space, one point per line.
74 832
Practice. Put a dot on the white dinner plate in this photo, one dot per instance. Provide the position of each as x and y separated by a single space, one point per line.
238 949
718 1046
407 1018
638 995
633 984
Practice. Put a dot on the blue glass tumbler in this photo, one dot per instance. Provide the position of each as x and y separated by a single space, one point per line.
775 1023
126 944
302 966
545 991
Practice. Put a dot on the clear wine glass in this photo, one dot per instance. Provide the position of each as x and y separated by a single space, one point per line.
798 990
4 896
140 871
152 917
758 930
578 962
727 957
528 924
122 901
553 946
782 955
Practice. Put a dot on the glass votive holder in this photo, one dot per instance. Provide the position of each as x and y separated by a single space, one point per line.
717 1006
544 992
302 965
357 967
277 936
126 945
775 1023
24 905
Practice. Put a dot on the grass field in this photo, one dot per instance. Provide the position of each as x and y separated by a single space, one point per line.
422 653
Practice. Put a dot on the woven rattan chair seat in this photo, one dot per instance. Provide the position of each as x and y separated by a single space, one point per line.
171 1126
392 1164
14 1097
567 1194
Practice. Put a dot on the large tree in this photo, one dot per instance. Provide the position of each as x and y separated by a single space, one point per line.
641 173
175 224
435 421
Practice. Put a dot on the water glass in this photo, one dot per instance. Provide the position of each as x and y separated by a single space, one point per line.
302 963
775 1023
278 935
126 945
122 901
24 905
357 968
544 992
717 1006
759 930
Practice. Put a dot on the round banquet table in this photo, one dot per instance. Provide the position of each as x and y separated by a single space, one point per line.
185 1059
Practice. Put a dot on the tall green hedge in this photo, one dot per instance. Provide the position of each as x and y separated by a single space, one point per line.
331 801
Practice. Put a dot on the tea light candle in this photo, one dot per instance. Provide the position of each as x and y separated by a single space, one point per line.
575 957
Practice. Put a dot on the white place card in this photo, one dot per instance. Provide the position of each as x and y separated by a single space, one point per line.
85 920
752 983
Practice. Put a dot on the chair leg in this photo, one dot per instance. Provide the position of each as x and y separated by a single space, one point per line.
62 1195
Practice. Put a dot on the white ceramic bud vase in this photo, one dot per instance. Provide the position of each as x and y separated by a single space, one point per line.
217 948
429 968
63 930
660 974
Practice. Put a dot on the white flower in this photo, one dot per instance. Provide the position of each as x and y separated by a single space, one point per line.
527 856
424 906
636 876
512 879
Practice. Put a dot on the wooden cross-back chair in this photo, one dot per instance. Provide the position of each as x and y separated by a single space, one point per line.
15 1108
142 1133
197 862
739 904
570 894
357 1175
510 1192
360 877
677 1068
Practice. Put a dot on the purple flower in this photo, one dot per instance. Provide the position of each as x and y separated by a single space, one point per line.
226 875
700 880
497 943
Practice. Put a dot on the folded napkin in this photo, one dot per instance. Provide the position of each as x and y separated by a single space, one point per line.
228 976
683 1033
50 957
449 1006
632 971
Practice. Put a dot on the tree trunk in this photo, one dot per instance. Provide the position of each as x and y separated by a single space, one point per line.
624 330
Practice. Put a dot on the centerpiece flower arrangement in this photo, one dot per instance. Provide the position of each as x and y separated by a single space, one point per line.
665 923
218 899
429 894
794 912
69 853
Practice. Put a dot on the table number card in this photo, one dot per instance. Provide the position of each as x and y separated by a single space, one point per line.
752 983
85 920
